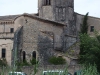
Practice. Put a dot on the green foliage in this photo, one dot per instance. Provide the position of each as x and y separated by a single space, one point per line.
3 62
35 69
24 63
84 26
89 70
89 50
57 60
89 46
33 61
3 71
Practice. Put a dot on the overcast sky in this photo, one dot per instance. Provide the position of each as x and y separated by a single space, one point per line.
12 7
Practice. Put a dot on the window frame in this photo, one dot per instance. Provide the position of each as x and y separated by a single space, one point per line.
11 30
24 56
91 28
47 2
3 55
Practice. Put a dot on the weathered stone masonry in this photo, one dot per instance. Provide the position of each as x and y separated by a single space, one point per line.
42 37
53 31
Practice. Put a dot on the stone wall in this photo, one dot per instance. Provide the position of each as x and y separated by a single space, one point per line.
42 37
29 70
58 10
5 29
8 45
71 69
92 21
7 37
19 21
5 26
70 40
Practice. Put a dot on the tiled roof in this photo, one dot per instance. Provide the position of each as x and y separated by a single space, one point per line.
8 17
41 19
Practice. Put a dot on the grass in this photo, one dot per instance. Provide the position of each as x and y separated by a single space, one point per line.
89 70
86 70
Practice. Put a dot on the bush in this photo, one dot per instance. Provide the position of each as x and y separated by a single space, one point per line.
89 70
57 60
90 50
24 63
3 62
33 61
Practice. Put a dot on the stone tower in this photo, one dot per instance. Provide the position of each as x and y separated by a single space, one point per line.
56 10
60 11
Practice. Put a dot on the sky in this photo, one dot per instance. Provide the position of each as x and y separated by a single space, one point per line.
13 7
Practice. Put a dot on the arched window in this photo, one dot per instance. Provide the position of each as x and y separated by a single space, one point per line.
24 56
34 54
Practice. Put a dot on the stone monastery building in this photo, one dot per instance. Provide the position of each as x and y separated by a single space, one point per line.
50 32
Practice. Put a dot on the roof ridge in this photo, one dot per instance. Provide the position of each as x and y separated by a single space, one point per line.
8 17
37 17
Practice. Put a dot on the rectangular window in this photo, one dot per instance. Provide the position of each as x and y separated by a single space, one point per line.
11 30
91 28
3 53
47 2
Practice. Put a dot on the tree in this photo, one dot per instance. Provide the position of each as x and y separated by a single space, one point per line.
89 46
90 50
84 26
